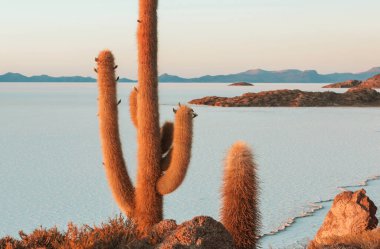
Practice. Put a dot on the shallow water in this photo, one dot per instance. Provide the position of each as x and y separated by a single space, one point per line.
52 173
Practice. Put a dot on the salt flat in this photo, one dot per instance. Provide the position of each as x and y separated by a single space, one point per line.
52 173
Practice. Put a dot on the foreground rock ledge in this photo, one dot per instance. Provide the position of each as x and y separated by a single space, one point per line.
201 232
351 214
296 98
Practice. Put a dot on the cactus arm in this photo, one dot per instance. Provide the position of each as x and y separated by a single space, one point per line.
181 152
117 175
133 106
166 137
240 213
148 208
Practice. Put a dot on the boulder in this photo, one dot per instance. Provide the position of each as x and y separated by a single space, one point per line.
352 213
201 232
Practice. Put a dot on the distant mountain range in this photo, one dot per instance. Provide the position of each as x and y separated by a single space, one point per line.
16 77
254 76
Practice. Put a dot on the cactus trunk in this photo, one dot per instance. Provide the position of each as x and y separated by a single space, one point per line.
148 202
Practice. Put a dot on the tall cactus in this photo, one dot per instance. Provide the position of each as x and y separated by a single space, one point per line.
240 213
157 175
163 153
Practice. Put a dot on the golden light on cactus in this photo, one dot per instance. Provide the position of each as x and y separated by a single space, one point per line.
240 212
117 175
180 153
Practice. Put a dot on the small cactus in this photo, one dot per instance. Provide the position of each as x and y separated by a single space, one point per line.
240 212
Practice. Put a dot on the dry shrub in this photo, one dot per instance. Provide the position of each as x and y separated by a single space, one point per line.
116 233
42 237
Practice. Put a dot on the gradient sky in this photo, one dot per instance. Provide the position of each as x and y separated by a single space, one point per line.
196 37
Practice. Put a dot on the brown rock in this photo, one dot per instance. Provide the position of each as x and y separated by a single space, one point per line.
201 232
162 230
352 213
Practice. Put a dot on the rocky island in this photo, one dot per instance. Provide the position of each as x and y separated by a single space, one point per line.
241 84
373 82
295 98
345 84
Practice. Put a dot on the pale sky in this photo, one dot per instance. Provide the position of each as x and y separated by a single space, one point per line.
196 37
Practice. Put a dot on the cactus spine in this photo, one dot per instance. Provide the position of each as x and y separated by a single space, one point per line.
163 153
240 213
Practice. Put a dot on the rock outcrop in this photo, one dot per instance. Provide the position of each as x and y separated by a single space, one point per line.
201 232
351 214
296 98
345 84
241 84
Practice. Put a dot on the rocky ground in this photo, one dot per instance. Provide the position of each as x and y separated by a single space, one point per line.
296 98
350 223
201 232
